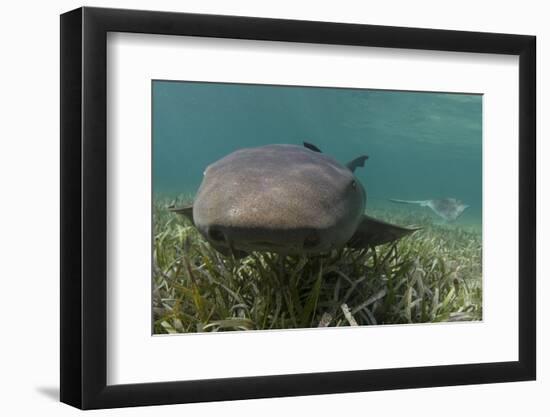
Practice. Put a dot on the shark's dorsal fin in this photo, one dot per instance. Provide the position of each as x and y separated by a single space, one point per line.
357 162
312 147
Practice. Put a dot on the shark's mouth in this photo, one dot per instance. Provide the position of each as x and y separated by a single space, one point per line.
266 244
303 240
309 243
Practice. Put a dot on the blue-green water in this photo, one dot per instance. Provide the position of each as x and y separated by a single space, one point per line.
420 145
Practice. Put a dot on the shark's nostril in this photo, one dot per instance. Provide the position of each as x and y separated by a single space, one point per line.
312 240
216 235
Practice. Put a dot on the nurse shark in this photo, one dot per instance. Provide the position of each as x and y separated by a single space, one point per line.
286 199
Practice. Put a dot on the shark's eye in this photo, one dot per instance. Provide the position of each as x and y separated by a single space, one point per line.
354 184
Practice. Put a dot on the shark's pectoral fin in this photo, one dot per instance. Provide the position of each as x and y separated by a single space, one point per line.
372 232
357 162
186 211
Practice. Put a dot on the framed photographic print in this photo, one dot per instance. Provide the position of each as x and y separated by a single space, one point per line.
257 207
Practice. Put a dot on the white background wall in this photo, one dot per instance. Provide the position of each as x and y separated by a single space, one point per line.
29 177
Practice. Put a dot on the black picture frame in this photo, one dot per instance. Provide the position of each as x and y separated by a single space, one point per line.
84 207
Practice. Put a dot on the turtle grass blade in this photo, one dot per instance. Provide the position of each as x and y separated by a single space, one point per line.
433 275
230 324
311 303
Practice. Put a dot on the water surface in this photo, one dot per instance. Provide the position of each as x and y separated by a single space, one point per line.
420 145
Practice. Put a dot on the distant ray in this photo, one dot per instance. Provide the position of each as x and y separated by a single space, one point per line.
448 209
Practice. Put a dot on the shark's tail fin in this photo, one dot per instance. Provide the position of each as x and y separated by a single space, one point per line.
418 202
357 162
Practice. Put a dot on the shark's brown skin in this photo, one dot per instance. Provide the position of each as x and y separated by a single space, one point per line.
286 199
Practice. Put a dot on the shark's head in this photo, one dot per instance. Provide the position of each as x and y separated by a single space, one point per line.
278 198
